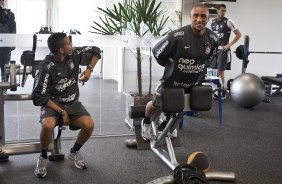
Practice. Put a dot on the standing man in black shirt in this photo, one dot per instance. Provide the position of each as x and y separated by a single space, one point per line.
56 91
184 53
223 26
7 25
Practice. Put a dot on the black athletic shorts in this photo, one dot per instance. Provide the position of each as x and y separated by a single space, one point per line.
75 110
223 60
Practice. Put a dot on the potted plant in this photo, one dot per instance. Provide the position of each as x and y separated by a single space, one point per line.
138 17
141 17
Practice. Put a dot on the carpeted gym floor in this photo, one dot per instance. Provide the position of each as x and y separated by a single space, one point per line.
249 143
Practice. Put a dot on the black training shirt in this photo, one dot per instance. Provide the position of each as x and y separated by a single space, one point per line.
184 56
58 80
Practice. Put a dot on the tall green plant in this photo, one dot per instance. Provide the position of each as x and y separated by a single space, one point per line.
140 17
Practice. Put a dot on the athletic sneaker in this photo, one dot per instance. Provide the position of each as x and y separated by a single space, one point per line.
40 170
77 160
146 131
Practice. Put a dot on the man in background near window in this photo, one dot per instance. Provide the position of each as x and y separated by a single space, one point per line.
7 25
223 26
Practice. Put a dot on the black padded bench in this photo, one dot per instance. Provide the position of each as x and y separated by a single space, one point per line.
273 81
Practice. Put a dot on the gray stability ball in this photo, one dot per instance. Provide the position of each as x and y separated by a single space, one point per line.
247 90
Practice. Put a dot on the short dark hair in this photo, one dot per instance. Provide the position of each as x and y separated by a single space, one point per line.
200 6
55 42
221 5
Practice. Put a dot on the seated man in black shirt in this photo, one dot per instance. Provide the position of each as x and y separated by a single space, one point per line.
56 91
184 53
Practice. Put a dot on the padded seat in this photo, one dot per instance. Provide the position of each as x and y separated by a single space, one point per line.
273 80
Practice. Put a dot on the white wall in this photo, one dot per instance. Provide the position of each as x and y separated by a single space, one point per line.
73 15
30 15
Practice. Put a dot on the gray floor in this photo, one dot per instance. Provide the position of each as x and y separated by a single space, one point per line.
248 143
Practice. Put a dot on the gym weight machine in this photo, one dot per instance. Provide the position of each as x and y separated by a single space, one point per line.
174 104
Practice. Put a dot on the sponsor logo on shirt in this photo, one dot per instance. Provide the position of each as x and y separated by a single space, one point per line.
68 99
50 65
64 83
161 49
220 35
84 49
71 64
189 66
45 84
182 84
178 33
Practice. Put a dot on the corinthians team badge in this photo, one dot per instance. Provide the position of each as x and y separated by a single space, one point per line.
207 48
71 64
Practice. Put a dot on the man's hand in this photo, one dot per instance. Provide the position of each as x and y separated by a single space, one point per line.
226 47
85 75
65 117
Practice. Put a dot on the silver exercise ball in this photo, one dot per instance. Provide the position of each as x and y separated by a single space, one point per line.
247 90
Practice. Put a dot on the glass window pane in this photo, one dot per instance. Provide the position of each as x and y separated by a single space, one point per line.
30 15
